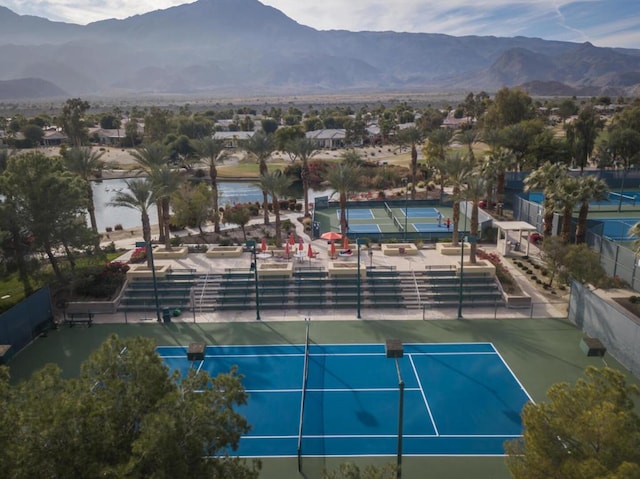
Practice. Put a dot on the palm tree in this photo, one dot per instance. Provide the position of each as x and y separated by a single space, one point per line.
502 160
474 190
140 197
468 137
86 163
634 231
590 188
546 178
277 185
151 158
166 182
411 136
304 149
455 171
435 151
344 178
566 197
261 146
213 152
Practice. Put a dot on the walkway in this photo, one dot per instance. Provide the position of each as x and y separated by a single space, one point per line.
426 258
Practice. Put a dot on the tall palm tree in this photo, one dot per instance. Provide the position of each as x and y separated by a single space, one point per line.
305 149
468 138
503 160
166 182
140 196
151 158
344 178
546 179
261 146
277 185
435 152
411 136
86 163
213 153
590 188
455 171
634 231
473 191
566 197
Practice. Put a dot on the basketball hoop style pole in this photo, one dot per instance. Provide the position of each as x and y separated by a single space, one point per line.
394 350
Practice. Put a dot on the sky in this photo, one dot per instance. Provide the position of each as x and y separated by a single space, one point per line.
605 23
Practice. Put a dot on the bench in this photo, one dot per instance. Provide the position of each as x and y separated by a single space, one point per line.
79 318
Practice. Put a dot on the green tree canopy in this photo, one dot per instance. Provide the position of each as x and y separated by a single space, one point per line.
125 416
589 430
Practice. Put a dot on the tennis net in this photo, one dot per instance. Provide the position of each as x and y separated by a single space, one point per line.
388 210
399 225
305 374
619 197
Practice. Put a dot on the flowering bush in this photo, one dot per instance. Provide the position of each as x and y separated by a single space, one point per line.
139 255
502 273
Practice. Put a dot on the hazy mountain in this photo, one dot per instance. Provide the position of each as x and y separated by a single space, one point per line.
243 47
29 88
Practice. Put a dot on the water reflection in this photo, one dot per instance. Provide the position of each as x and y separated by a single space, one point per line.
104 191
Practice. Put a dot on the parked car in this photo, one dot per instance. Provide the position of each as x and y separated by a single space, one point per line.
535 238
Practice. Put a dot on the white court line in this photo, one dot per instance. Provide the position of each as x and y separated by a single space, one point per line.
316 390
424 397
386 436
512 374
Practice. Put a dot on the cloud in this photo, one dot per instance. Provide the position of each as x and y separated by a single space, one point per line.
567 20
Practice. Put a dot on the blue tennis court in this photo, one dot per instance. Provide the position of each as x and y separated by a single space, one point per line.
618 228
430 227
342 400
421 212
357 214
364 228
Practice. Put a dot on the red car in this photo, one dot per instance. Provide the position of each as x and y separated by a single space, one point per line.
535 238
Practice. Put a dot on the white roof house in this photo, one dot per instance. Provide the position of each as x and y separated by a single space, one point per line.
328 138
232 139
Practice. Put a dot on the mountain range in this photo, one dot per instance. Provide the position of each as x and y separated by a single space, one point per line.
242 47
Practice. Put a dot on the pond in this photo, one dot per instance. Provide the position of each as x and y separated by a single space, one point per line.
231 192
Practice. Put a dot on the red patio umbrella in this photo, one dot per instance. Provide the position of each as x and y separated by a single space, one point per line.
301 245
287 249
331 235
332 249
310 251
292 239
263 246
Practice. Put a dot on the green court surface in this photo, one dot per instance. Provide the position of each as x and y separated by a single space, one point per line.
540 352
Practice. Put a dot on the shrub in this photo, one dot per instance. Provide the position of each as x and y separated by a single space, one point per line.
108 229
176 241
633 299
118 227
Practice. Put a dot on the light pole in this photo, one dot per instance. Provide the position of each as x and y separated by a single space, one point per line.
462 268
155 281
359 242
395 350
254 266
405 182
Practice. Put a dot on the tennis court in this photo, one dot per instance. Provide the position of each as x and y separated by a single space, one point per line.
357 214
342 400
618 228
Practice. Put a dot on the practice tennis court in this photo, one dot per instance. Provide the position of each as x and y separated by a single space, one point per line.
364 228
342 400
618 228
357 214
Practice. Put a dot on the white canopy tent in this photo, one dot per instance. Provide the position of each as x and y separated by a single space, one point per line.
510 236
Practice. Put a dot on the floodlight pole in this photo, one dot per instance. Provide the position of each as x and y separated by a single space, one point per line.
461 270
358 244
154 279
254 265
405 182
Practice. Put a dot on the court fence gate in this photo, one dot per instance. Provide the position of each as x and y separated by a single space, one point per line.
599 319
26 321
